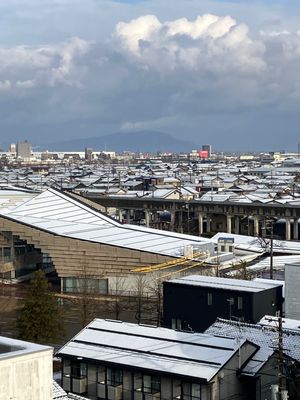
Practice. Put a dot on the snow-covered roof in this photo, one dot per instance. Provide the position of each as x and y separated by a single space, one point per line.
10 348
225 283
57 213
264 336
189 354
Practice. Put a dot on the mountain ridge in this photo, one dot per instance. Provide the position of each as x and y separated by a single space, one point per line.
138 141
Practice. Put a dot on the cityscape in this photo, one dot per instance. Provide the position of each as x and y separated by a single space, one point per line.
150 200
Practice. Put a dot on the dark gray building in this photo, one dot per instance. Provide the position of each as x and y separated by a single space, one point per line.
195 302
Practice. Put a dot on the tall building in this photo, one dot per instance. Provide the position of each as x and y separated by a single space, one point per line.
13 148
207 147
88 154
24 150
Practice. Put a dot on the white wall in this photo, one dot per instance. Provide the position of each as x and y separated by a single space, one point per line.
27 377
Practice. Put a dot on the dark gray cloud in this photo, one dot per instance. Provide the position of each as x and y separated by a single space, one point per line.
222 78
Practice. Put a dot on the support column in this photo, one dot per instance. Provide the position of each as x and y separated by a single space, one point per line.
120 214
256 226
200 223
237 225
180 222
208 224
296 231
147 218
287 229
172 223
228 223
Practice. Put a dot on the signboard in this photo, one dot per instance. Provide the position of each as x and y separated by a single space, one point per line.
203 153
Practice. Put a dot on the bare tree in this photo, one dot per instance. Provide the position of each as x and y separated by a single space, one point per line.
117 304
139 287
86 296
155 289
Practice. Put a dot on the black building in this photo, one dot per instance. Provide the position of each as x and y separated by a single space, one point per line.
195 302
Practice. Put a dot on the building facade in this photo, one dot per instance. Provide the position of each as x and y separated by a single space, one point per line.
195 302
111 360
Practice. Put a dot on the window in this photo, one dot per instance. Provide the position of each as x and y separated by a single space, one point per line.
240 303
151 384
223 248
6 253
101 375
191 391
67 368
209 299
114 377
78 370
176 324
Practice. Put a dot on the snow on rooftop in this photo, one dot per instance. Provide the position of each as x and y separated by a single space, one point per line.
159 349
60 214
225 283
10 348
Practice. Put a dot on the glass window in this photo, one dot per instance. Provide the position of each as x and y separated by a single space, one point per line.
101 375
114 377
240 303
138 381
151 384
176 324
209 299
191 391
66 367
78 370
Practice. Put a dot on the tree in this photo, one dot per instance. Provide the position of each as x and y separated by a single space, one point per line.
139 286
40 319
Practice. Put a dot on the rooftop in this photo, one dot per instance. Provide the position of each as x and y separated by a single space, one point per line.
60 214
225 283
10 348
161 350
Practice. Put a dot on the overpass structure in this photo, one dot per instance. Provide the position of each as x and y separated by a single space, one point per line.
211 216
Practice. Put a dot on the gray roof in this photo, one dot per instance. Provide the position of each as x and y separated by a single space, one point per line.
225 283
264 336
195 355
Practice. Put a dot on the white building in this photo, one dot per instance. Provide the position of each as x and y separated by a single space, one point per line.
25 370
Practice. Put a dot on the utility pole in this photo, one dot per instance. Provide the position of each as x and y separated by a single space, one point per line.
281 383
282 392
271 252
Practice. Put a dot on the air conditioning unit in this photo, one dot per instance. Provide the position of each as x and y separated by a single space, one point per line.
114 392
79 385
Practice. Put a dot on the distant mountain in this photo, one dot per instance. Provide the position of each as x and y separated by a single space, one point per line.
141 141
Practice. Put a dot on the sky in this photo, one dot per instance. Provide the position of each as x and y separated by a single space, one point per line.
207 71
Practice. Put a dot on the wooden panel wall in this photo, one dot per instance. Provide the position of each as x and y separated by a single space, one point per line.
74 257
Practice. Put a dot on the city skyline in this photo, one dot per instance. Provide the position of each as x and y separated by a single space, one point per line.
216 71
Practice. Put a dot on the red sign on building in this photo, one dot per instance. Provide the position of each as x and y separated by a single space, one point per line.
203 153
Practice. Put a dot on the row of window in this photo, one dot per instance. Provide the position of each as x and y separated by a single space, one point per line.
144 383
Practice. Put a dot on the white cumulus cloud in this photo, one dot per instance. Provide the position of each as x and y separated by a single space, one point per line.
209 43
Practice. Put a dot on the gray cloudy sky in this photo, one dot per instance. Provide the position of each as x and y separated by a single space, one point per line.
222 72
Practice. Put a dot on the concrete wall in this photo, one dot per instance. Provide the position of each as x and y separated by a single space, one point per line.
292 293
27 377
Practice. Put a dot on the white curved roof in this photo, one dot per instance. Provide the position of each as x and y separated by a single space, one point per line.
63 215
